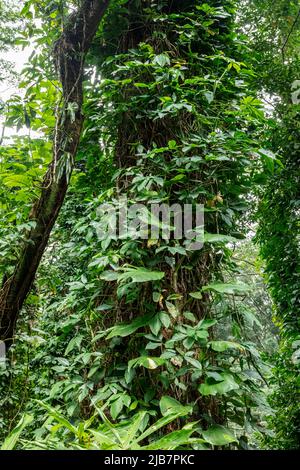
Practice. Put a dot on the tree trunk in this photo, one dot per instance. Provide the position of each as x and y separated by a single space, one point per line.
69 52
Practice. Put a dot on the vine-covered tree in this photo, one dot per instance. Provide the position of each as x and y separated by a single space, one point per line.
140 339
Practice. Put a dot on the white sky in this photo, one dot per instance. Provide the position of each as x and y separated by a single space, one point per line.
18 58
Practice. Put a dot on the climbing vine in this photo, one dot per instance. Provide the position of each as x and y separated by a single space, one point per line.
133 340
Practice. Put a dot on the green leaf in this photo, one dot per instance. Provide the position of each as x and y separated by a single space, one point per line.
141 85
140 275
228 288
17 181
165 319
206 323
161 60
152 345
109 276
210 387
147 362
11 441
161 423
169 405
269 159
190 316
172 309
155 324
111 427
156 296
55 389
196 295
116 407
74 343
172 144
218 238
129 328
221 346
209 95
104 307
194 362
171 441
218 436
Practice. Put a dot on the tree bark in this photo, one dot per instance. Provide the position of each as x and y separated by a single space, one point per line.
69 52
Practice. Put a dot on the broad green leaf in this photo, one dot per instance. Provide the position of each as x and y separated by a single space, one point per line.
109 276
155 325
211 387
206 323
55 389
218 436
228 288
269 159
172 309
196 295
17 180
165 319
74 343
218 238
221 346
250 317
147 362
151 346
140 275
160 423
193 362
169 405
162 60
190 316
171 441
127 329
116 407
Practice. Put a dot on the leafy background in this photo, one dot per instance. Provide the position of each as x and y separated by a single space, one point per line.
128 344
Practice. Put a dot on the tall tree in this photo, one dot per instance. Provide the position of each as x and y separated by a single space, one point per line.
177 116
127 320
70 50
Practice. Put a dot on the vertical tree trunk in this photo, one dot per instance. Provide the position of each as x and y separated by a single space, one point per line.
149 132
70 52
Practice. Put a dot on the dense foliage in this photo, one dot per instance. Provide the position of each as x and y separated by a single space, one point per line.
133 341
278 233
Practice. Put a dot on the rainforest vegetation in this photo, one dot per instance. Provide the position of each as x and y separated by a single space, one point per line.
138 340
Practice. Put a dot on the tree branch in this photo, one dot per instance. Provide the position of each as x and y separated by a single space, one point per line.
289 35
